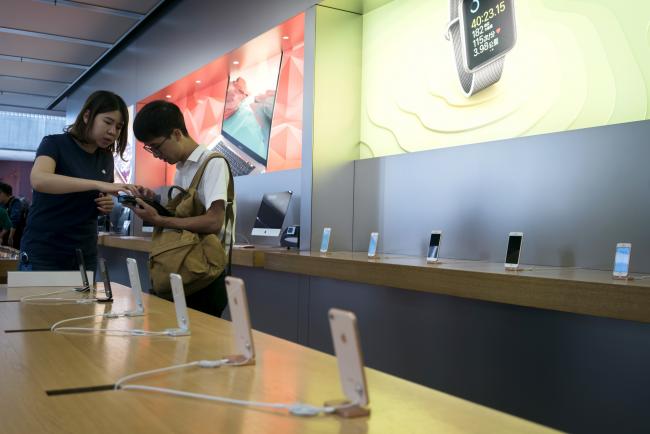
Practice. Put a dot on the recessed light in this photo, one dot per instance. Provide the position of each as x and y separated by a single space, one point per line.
285 37
168 96
235 62
198 82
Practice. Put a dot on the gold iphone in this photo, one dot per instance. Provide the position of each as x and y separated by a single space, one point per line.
345 334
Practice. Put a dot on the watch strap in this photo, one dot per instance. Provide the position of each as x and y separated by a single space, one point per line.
471 82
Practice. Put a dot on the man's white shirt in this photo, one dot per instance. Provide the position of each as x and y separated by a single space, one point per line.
213 185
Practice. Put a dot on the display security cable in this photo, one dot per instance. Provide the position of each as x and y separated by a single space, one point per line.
199 363
122 332
298 409
45 297
56 327
104 315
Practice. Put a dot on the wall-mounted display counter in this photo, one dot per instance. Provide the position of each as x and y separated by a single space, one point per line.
574 290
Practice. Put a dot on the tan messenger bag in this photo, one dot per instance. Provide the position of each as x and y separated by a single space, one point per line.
198 258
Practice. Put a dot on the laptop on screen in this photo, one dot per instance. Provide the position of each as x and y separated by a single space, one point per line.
247 116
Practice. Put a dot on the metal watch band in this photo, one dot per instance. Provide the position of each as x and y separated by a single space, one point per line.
481 78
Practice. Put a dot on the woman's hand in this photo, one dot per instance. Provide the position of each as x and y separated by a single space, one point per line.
114 188
104 203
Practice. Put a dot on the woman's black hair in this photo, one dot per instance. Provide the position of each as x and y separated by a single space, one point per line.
101 101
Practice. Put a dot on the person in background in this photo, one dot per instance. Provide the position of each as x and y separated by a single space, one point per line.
72 178
14 207
5 224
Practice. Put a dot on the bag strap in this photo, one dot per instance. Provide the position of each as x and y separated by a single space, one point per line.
230 198
181 190
230 214
199 173
230 217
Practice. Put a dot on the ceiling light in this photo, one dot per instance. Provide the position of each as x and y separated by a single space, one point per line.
285 37
236 62
198 82
168 96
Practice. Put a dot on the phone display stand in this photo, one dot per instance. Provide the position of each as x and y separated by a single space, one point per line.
348 411
622 277
240 360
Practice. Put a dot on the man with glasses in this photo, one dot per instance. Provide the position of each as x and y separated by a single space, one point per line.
160 126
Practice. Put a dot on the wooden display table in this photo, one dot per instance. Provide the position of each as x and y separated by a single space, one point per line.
35 362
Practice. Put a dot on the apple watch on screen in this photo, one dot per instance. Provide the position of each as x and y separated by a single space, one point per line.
482 32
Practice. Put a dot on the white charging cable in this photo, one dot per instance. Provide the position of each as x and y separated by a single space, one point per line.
129 313
56 327
200 363
298 408
63 321
131 332
44 297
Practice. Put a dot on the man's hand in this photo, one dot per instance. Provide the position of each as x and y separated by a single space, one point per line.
145 192
104 203
146 212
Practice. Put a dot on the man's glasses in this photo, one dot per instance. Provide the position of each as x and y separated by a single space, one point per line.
154 148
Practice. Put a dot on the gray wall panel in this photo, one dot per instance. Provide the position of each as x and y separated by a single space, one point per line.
574 195
307 130
336 124
273 301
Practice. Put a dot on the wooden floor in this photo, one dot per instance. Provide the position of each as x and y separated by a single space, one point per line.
32 363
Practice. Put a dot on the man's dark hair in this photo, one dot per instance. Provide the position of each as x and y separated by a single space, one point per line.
158 119
6 188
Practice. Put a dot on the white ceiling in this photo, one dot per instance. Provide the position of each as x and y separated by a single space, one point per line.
47 45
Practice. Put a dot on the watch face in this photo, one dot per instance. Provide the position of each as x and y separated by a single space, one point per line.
488 30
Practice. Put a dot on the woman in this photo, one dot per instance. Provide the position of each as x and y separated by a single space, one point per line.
72 180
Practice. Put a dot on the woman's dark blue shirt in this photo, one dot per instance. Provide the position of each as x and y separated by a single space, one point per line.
57 224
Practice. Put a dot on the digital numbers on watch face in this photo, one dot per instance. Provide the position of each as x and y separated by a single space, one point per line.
489 30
